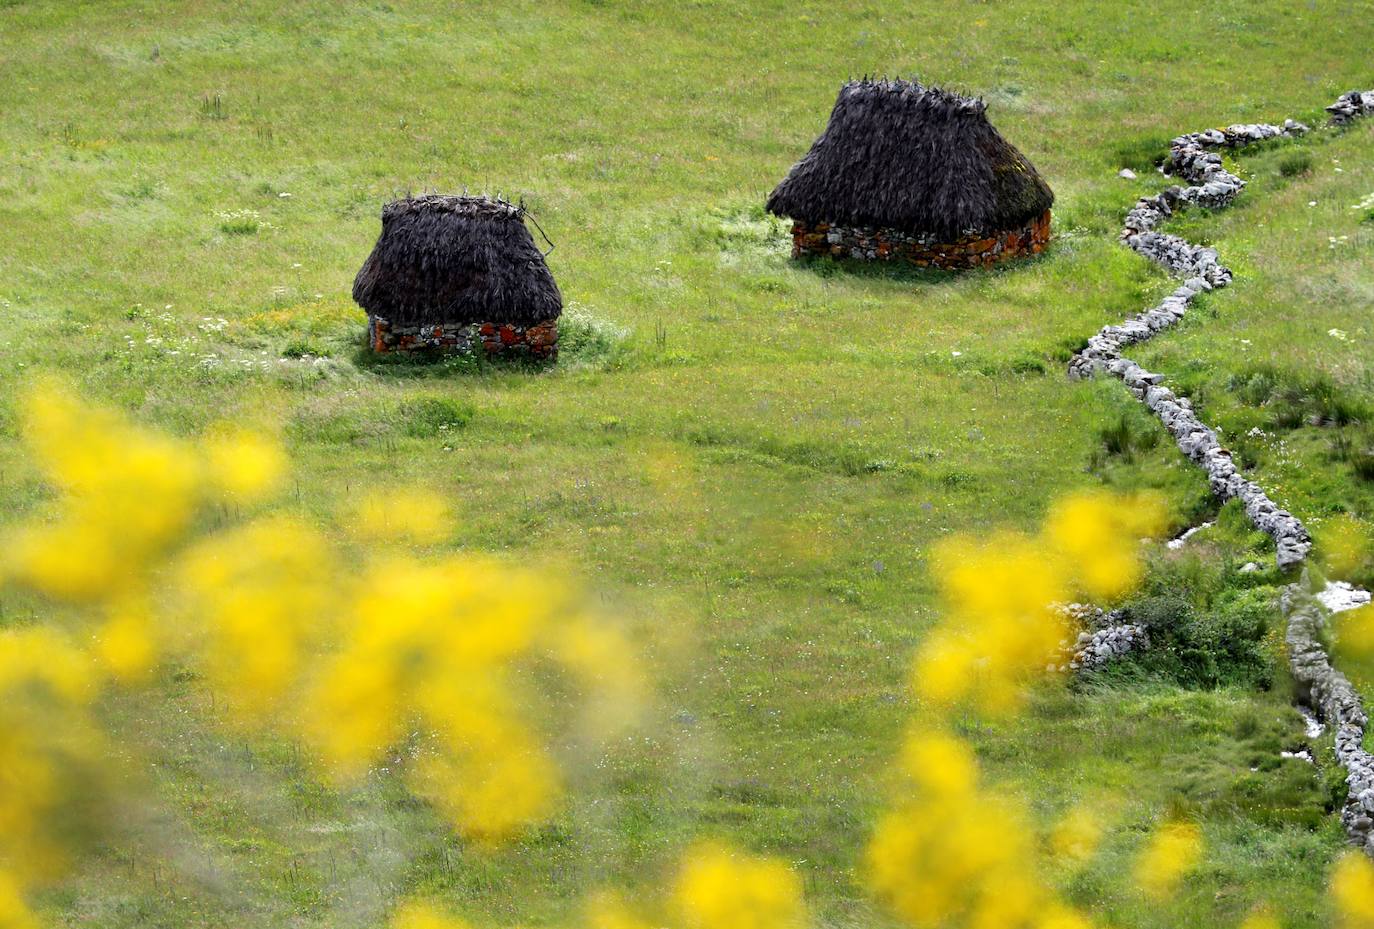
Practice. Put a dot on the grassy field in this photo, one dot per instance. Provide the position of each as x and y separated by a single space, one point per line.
747 457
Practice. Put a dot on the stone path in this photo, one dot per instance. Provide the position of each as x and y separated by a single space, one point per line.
1193 157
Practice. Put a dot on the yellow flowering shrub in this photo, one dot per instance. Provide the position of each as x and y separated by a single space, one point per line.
949 852
50 752
1352 889
371 656
1001 623
1076 836
1173 851
721 888
140 560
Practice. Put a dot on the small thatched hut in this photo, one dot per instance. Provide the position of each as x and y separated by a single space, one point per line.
456 274
909 172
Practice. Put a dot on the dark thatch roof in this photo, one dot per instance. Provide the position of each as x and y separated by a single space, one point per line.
456 260
919 159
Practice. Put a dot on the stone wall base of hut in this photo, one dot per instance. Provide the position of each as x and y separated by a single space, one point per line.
868 243
538 341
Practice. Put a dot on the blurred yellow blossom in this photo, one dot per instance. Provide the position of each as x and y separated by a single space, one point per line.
1343 543
125 496
243 465
1077 834
424 916
1173 851
721 888
999 625
607 910
14 912
1355 633
411 514
126 642
420 664
1352 889
261 591
1099 535
1261 919
49 749
941 764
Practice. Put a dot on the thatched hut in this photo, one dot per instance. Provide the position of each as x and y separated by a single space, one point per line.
456 274
916 173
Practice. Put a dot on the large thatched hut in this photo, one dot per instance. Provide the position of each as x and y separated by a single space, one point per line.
458 274
905 171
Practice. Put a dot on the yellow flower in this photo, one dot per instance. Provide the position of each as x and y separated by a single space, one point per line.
126 642
606 910
404 515
244 465
261 591
423 916
1058 916
1099 534
1352 889
1355 632
14 912
941 764
125 496
1075 837
1172 852
718 888
1261 919
1344 545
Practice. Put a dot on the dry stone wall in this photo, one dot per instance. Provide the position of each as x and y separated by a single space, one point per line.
868 243
1350 106
539 341
1103 639
1329 692
1331 695
1191 157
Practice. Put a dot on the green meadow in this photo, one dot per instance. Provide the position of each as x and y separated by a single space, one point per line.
746 458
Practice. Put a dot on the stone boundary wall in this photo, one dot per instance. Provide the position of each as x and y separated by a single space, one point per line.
1335 701
539 341
1214 187
869 243
1191 157
1350 106
1104 637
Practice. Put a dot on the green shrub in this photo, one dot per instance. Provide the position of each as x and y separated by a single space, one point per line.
587 339
1126 435
1295 163
1141 154
304 348
1356 448
1294 399
1205 648
429 416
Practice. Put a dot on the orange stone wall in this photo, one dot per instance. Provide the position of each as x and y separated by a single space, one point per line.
877 244
537 341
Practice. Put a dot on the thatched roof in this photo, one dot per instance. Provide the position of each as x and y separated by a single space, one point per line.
919 159
456 260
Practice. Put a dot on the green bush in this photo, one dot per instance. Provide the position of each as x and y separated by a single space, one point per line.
1295 163
586 339
1205 648
303 348
1294 399
1355 446
1127 435
429 416
1141 154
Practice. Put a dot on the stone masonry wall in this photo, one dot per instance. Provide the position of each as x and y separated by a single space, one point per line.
877 244
1330 694
539 341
